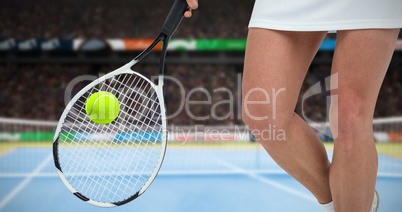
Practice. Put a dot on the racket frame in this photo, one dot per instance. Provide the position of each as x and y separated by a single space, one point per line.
126 69
169 27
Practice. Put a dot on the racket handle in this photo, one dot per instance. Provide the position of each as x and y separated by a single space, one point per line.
174 17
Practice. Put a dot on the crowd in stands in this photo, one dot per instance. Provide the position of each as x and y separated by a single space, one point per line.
35 92
23 19
38 92
390 101
119 19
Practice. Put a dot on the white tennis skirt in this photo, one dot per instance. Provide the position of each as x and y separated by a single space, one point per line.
326 15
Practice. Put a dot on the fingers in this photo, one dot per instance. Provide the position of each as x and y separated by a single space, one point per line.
187 14
192 4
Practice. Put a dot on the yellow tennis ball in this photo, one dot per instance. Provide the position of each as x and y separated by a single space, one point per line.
102 107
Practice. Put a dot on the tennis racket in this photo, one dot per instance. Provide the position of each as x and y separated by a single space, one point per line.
109 165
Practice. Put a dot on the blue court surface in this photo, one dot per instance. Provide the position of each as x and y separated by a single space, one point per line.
191 179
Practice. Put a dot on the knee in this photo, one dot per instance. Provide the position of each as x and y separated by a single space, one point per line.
264 114
350 123
256 119
260 112
268 129
262 118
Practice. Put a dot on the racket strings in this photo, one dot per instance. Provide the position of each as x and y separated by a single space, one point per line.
133 106
110 163
102 179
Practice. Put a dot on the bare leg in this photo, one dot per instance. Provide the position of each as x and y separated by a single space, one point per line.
279 60
361 59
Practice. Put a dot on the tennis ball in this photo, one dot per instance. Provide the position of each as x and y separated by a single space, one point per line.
102 107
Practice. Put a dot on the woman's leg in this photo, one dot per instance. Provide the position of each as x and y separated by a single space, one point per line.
361 59
276 63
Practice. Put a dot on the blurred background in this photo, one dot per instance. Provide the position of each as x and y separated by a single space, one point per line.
47 47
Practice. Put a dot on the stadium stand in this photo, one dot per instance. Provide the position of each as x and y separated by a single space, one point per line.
20 84
125 19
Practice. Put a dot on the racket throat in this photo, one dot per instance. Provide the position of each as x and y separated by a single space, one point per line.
150 47
162 60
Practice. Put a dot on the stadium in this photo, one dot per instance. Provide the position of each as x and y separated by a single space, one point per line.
50 51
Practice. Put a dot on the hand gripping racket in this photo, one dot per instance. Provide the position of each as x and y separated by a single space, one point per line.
111 164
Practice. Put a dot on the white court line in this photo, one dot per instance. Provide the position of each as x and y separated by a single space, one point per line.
389 174
161 173
23 175
7 152
268 182
25 182
191 172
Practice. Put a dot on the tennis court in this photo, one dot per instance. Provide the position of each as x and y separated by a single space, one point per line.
194 177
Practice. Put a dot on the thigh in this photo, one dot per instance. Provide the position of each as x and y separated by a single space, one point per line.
276 63
360 62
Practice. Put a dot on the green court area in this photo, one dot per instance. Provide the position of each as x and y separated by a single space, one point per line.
389 149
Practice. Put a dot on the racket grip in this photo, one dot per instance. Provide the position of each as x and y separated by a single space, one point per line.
174 17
